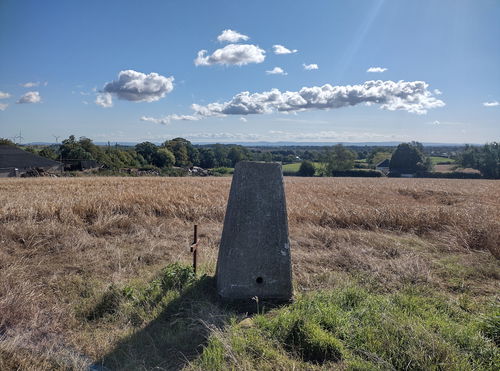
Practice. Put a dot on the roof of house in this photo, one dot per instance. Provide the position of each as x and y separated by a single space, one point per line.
14 157
384 163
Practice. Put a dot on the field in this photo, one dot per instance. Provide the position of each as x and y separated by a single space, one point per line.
441 160
294 167
388 274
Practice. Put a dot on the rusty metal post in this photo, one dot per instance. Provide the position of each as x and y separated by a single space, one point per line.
194 247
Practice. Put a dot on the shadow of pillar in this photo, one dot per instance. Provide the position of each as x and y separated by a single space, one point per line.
176 336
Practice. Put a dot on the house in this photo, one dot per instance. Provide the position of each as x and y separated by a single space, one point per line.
15 162
383 166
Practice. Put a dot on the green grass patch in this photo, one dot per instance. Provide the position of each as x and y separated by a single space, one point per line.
351 328
441 160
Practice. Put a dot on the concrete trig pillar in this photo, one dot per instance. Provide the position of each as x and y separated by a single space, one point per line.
254 254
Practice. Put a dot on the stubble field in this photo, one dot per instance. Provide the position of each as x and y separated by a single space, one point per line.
83 278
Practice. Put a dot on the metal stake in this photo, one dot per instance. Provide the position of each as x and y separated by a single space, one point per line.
194 247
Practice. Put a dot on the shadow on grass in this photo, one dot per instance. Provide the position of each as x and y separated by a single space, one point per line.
176 336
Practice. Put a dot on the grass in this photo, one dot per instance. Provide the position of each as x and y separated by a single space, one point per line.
351 328
441 160
388 273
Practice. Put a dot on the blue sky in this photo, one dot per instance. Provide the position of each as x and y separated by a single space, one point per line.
440 62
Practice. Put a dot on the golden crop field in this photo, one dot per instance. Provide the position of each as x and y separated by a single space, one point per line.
65 241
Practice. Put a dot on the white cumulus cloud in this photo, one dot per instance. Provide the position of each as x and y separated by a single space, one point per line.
104 100
139 87
411 96
3 106
309 67
167 119
30 97
4 95
276 71
280 49
232 54
376 69
231 36
491 104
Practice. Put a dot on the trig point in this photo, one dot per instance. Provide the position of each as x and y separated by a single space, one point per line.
254 254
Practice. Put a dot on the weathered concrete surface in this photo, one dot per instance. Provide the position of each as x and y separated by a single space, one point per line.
254 254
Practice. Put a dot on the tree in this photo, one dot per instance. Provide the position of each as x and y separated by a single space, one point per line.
306 169
486 159
235 155
7 142
73 149
146 150
407 158
163 158
48 152
221 152
339 158
181 148
207 158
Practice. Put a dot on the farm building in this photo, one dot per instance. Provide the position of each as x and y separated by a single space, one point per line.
383 166
15 162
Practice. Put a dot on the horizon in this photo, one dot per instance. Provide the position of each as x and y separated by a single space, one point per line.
375 71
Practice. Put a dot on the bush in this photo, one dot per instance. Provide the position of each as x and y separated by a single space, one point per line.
177 276
306 169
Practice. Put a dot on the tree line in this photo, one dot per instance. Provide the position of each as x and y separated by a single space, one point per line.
411 158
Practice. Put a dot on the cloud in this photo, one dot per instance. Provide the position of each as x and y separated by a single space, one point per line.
231 36
436 122
280 49
223 135
438 92
232 54
138 87
104 100
329 136
4 95
30 84
491 104
310 67
376 69
412 96
3 106
30 97
276 71
167 119
278 135
243 119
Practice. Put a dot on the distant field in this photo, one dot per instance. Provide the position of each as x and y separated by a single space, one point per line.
296 166
388 274
441 160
